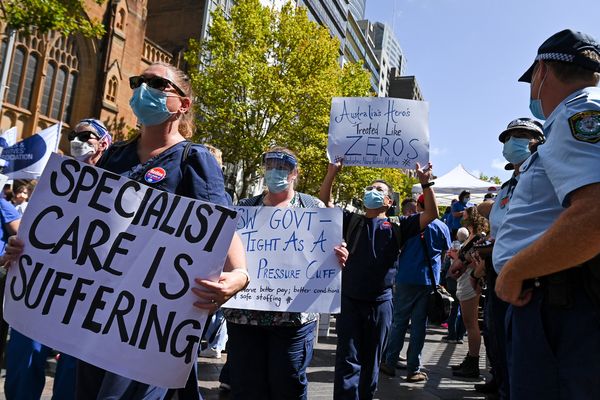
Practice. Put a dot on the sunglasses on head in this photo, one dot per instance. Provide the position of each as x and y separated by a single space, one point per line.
83 136
155 82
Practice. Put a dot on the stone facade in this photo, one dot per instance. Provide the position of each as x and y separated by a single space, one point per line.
54 78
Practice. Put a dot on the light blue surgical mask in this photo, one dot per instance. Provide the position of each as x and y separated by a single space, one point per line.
149 105
535 105
516 150
466 200
277 180
373 199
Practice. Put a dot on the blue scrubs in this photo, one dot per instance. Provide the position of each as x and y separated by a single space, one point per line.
553 350
366 312
197 176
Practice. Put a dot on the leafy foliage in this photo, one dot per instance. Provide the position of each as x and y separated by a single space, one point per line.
64 16
264 78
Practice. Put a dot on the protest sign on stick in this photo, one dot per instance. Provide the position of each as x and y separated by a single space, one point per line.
379 132
107 270
290 259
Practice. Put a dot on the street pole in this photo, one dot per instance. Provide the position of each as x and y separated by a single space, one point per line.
12 33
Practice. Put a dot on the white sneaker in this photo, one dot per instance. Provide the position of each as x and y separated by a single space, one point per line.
209 352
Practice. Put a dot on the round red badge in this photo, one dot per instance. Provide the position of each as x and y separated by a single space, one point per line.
155 174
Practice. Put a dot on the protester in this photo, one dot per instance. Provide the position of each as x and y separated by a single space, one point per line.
469 294
26 358
420 255
20 198
278 345
89 140
547 249
464 201
366 314
520 138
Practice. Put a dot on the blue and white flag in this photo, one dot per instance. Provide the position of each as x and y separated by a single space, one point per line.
7 139
27 158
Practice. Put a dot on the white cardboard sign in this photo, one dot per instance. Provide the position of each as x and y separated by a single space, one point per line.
107 270
379 132
290 259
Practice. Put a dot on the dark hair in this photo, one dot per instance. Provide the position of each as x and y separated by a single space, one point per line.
406 202
462 194
390 188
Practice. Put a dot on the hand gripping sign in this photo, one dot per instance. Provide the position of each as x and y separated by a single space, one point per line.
379 132
107 270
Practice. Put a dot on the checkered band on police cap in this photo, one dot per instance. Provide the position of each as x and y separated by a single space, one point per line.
527 124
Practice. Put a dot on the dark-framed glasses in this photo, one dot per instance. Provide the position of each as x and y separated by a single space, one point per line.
155 82
83 136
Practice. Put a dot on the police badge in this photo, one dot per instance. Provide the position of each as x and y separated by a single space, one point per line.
585 126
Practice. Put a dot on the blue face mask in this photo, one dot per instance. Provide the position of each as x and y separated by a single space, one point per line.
535 105
516 150
149 105
373 199
277 180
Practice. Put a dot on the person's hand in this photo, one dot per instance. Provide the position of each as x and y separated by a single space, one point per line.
478 265
452 253
211 295
13 250
341 251
510 288
424 175
335 167
456 269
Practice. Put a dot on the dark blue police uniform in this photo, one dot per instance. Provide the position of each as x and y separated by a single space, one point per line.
184 169
366 312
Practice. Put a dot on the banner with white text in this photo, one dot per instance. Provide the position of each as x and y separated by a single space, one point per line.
107 270
290 259
379 132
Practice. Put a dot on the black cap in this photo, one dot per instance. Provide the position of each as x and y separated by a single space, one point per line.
509 167
565 46
526 124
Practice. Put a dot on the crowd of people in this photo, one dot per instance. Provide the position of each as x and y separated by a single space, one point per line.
533 249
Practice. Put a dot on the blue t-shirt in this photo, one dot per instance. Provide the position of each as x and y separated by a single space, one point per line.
8 214
370 270
459 206
199 176
413 268
448 219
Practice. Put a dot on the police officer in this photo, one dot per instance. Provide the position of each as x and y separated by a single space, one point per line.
550 236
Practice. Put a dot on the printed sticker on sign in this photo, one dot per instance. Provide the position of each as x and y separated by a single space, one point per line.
155 175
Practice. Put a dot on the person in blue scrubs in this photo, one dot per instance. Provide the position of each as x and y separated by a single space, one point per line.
367 280
464 202
547 250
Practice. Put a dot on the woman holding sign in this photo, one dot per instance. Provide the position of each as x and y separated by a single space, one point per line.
279 345
160 156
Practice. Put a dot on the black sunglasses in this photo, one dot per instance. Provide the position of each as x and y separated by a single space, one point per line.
83 136
155 82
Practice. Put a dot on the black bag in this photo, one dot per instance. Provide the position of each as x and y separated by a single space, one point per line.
440 300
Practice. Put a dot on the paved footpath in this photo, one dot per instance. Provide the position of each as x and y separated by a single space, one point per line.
436 357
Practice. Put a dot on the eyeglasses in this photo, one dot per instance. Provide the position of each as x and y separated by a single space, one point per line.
155 82
83 136
378 188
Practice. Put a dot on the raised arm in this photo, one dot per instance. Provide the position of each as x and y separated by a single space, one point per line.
431 209
325 191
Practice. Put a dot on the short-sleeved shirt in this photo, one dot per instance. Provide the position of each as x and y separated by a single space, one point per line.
448 219
8 214
198 176
569 160
413 268
370 270
456 207
502 204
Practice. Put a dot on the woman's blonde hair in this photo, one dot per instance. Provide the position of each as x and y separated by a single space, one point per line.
186 121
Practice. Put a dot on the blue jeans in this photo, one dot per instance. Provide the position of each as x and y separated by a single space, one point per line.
269 362
553 351
410 304
26 370
362 329
456 326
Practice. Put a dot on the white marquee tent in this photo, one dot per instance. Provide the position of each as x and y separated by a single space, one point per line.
449 186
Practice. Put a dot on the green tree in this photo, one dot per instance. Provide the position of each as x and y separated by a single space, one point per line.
266 77
491 179
65 16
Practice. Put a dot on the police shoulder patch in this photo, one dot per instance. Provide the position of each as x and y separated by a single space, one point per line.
585 126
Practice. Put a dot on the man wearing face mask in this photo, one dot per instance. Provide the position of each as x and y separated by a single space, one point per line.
520 139
547 248
464 202
373 243
89 140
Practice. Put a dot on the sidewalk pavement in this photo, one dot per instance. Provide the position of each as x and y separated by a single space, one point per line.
436 357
